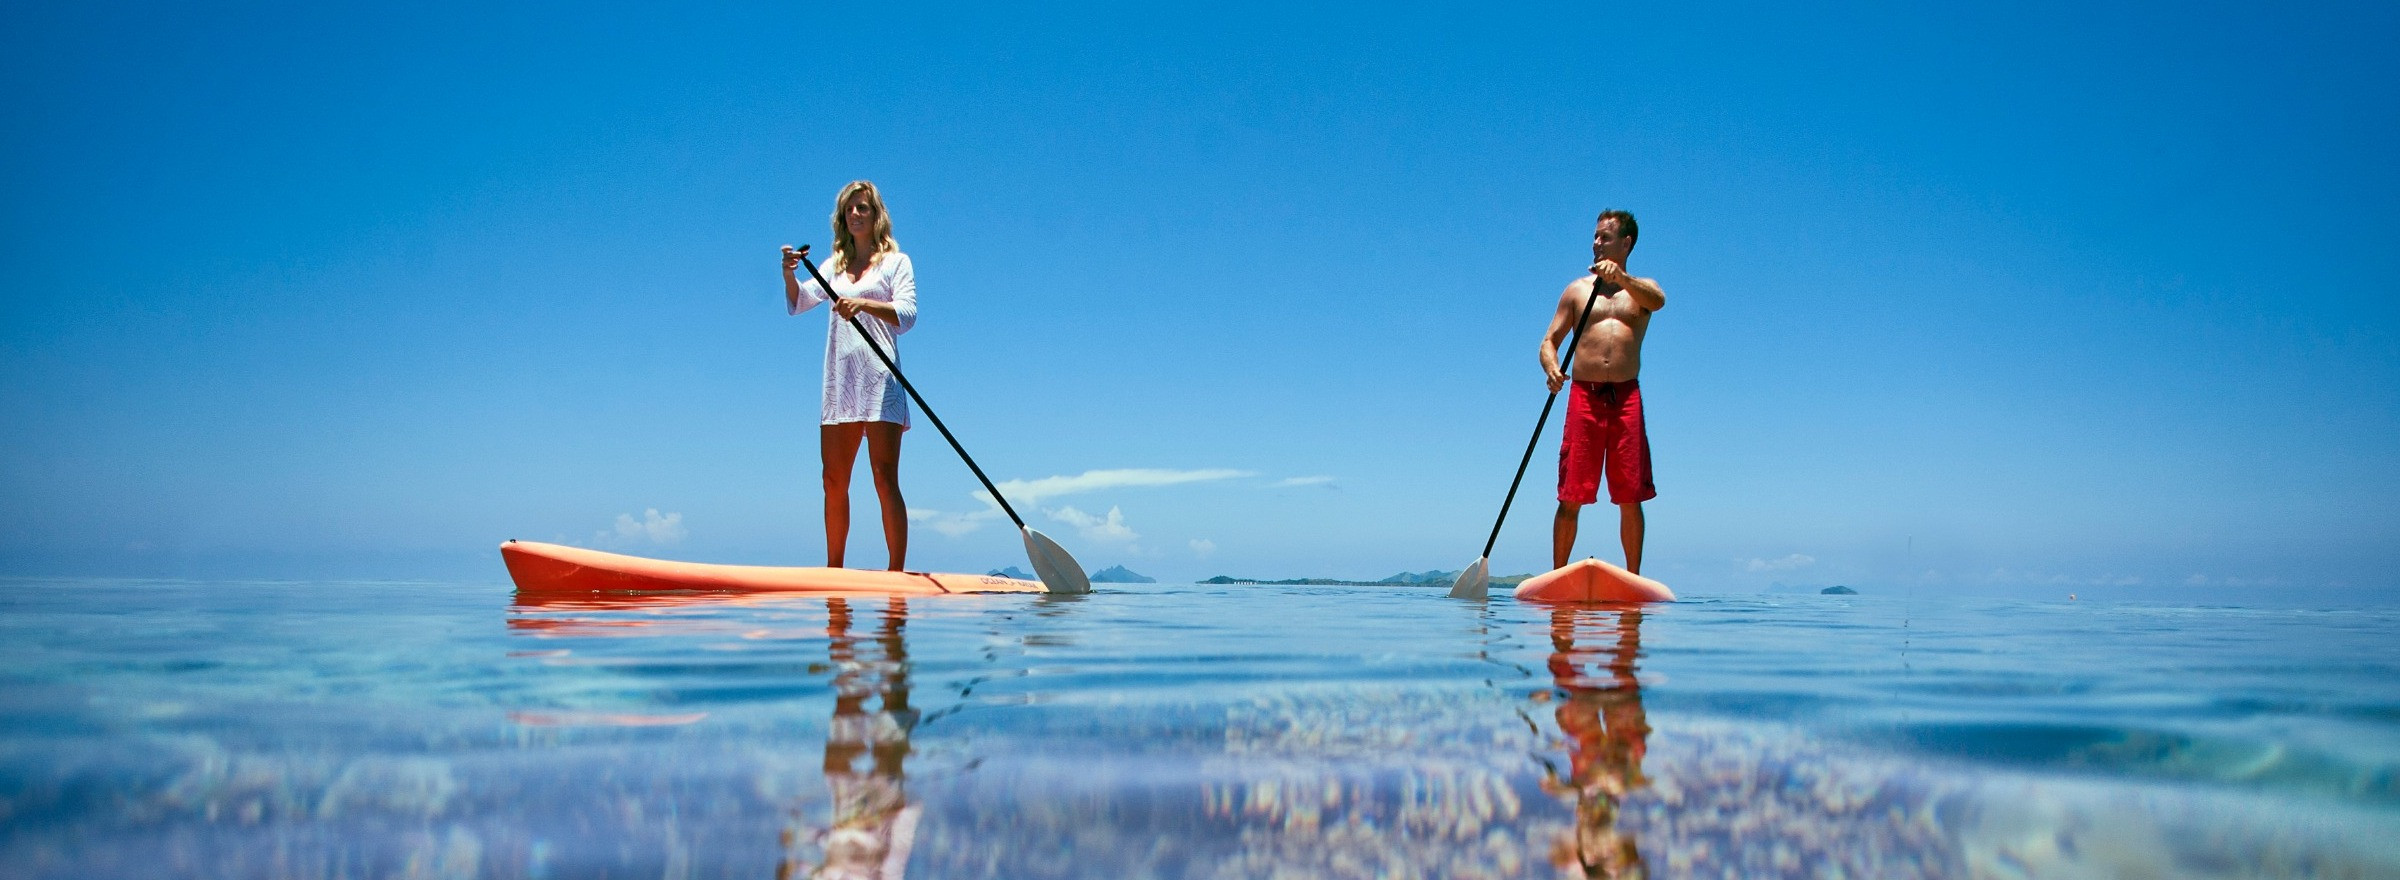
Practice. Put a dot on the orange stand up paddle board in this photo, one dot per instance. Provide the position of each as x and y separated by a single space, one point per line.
550 571
1591 580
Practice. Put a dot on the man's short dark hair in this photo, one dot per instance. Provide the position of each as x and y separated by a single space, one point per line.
1631 230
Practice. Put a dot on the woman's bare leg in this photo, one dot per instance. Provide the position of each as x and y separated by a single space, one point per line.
883 460
838 446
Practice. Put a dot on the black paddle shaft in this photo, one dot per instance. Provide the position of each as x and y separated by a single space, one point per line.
1566 367
920 399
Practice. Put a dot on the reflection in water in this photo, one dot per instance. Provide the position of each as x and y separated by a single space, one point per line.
873 824
1365 783
1600 716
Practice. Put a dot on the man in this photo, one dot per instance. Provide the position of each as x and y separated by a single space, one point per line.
1604 411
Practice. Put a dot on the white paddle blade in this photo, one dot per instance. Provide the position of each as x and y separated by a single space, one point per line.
1058 570
1474 583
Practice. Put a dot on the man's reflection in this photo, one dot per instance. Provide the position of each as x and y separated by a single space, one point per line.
873 823
1600 716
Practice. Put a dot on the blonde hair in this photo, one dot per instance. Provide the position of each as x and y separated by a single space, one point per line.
846 251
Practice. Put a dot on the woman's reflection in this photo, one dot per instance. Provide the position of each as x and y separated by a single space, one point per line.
1600 716
873 822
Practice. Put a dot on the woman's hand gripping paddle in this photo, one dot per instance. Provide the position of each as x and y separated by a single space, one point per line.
1057 569
1475 582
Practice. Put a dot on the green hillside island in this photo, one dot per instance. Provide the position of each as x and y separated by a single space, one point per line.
1118 574
1781 588
1115 574
1403 579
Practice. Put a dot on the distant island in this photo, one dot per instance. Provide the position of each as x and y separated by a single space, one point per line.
1118 574
1404 579
1780 588
1115 574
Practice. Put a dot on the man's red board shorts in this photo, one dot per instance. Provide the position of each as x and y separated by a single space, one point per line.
1604 435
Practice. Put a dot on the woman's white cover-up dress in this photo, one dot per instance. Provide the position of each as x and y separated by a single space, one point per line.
857 387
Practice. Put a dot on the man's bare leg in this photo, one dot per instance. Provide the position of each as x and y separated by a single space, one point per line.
1562 533
1629 527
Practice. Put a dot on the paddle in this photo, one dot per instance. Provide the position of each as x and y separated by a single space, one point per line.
1475 581
1057 569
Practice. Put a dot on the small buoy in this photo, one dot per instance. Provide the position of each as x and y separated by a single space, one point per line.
2070 597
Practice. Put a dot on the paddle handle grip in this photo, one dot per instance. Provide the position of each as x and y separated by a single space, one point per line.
912 392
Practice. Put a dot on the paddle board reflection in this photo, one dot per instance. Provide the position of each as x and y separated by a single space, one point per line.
873 823
1593 652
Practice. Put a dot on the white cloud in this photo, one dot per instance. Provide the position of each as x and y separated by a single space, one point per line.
652 527
952 524
1788 563
1286 482
1025 494
1109 528
1203 546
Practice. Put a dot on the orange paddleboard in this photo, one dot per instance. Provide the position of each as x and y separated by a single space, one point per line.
1591 580
550 571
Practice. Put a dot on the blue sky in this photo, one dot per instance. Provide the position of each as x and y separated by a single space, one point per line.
2015 297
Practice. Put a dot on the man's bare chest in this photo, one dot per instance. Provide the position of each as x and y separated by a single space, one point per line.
1616 312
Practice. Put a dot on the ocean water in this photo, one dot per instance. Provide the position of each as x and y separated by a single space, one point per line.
233 729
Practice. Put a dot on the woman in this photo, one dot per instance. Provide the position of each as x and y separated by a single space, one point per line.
862 401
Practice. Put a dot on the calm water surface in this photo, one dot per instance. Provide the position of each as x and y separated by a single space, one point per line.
438 730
